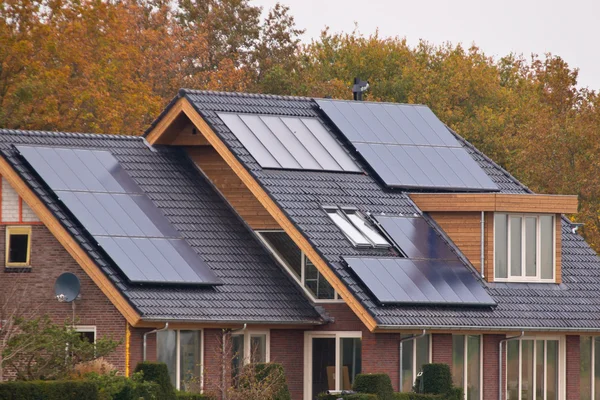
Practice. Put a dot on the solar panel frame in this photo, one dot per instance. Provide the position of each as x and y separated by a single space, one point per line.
116 213
405 131
403 281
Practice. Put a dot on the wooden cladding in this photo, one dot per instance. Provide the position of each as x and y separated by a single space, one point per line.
232 188
501 202
464 229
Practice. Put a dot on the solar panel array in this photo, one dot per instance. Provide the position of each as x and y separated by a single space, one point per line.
113 209
289 142
418 282
407 146
416 238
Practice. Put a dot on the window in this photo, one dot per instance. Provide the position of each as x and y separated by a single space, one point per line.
87 333
466 364
333 359
415 353
249 346
18 246
524 247
589 371
181 350
532 369
356 228
298 265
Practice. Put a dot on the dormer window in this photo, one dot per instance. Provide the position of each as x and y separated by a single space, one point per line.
356 228
524 247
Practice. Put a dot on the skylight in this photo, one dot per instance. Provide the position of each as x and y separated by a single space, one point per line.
356 228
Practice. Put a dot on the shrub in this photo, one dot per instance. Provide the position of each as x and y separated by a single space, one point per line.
99 366
275 372
48 390
113 387
436 378
193 396
417 396
159 374
454 393
378 384
357 396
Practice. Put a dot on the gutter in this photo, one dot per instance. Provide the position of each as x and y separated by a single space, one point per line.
402 340
500 361
217 322
484 328
154 331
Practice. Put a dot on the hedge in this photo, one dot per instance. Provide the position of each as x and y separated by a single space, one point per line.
357 396
436 378
48 390
193 396
454 394
158 373
378 384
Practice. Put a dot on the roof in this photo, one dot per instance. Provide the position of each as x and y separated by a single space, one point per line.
572 305
255 289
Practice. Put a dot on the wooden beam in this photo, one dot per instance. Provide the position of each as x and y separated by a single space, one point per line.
67 241
499 202
268 203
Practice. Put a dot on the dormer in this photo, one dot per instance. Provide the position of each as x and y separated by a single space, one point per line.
516 237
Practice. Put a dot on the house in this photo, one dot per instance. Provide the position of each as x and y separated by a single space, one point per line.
333 237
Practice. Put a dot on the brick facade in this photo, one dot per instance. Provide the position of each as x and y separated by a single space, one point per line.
441 348
572 367
48 260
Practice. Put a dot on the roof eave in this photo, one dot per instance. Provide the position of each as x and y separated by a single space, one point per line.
382 328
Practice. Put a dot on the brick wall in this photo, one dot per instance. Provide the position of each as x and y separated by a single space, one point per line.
490 365
441 349
572 367
48 260
287 348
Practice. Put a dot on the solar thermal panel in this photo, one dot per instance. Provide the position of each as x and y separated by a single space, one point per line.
420 282
114 210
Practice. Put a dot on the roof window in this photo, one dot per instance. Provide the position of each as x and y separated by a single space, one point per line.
356 227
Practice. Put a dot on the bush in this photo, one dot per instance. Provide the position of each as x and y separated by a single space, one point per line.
378 384
455 393
158 373
113 387
436 378
357 396
193 396
274 371
417 396
48 390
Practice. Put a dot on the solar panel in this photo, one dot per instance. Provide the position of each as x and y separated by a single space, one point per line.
416 238
420 282
407 146
289 142
113 209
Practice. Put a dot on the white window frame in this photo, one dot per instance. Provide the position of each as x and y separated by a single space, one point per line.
337 335
368 241
592 366
466 367
178 357
248 333
87 329
300 280
413 343
562 356
523 277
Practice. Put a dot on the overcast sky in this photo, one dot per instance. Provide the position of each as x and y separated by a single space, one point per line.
568 28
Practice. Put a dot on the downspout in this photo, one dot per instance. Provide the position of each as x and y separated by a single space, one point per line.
154 331
402 340
482 261
500 361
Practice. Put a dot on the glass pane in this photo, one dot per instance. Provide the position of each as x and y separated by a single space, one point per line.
349 230
539 370
189 362
323 365
237 355
17 250
316 283
458 360
366 230
552 370
515 246
473 368
596 368
530 246
350 361
286 249
422 352
166 352
527 363
512 370
258 348
585 368
407 365
501 246
547 246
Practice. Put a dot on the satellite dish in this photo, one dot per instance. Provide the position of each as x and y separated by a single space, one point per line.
66 287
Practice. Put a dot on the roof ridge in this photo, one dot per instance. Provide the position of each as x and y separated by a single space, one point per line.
68 134
184 91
